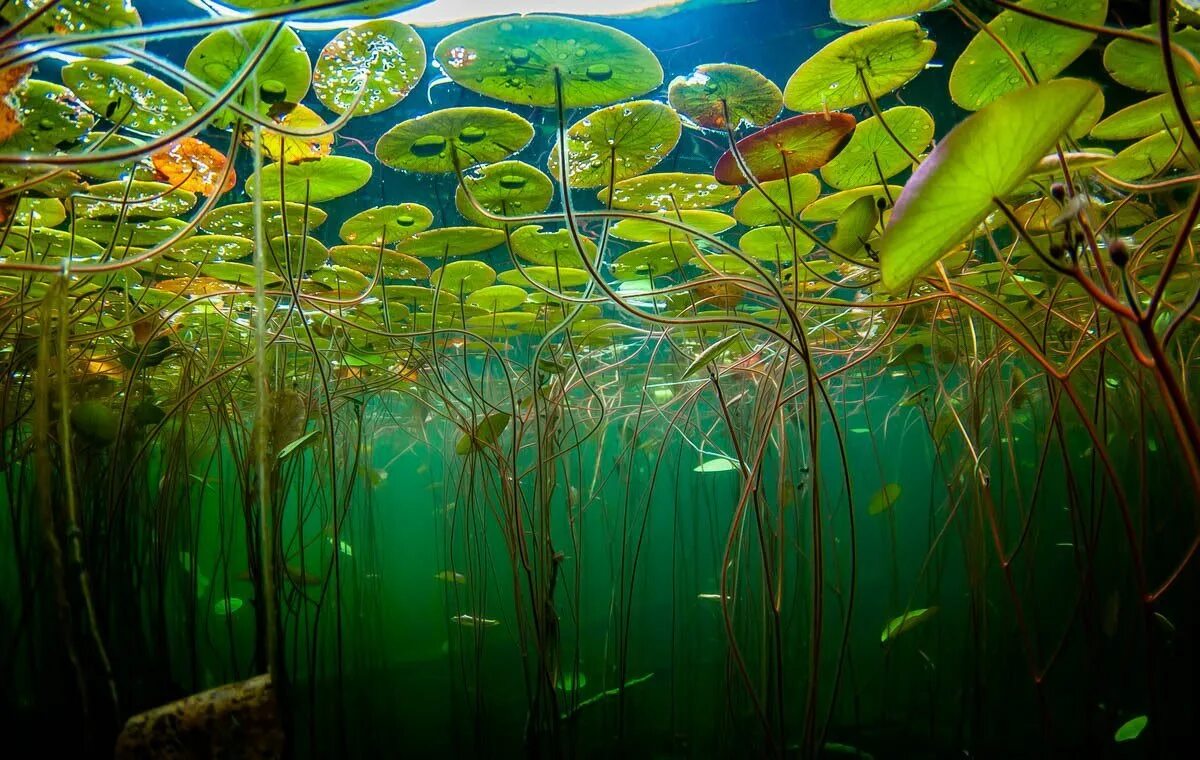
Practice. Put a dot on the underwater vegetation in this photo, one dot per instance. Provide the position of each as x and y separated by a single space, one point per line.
522 387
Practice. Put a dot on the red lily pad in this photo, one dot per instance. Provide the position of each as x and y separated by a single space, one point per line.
792 146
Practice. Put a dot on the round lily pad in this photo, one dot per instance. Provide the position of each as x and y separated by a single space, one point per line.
496 298
555 278
141 200
984 71
296 253
238 219
463 277
416 297
343 281
194 166
46 245
829 208
653 260
519 60
364 258
555 248
450 241
666 191
859 12
316 181
388 56
453 138
652 231
50 116
507 188
886 55
282 74
617 142
775 243
236 273
1140 66
143 232
713 90
200 249
871 151
126 96
101 142
792 146
1151 155
39 212
386 223
78 17
279 146
1146 117
792 194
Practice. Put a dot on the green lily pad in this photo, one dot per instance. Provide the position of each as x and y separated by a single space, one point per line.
386 224
388 56
236 273
652 231
886 55
984 71
46 245
51 115
450 241
141 200
363 258
617 142
343 281
792 146
775 243
39 212
884 499
906 622
238 219
555 248
859 12
126 96
495 298
76 17
519 59
983 158
555 278
653 260
792 194
1131 729
486 433
831 207
1152 154
199 249
1147 117
462 277
144 232
316 181
666 191
507 188
283 73
101 142
453 138
872 151
715 90
1140 66
303 253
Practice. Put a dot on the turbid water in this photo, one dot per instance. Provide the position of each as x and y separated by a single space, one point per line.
697 379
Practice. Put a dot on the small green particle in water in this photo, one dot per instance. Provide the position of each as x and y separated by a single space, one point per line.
1131 729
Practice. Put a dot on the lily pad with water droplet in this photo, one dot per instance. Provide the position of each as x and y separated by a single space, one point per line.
614 143
194 166
140 200
792 146
365 259
506 188
450 241
985 71
315 181
386 56
519 60
76 17
858 12
283 73
653 260
50 114
386 224
665 191
127 96
871 151
1140 66
885 56
101 142
831 207
556 248
775 243
199 249
792 195
496 298
462 277
653 231
983 158
238 219
716 91
313 141
453 138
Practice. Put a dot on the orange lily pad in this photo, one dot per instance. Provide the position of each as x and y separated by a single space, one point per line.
792 146
193 165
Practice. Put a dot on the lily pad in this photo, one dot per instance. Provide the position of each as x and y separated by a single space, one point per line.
462 277
76 17
905 622
385 56
653 260
555 248
714 90
141 200
1131 729
386 224
282 74
653 231
666 191
1140 66
50 115
364 259
831 207
858 12
1147 117
453 138
775 243
617 142
450 241
315 181
983 158
872 155
485 433
885 56
506 188
985 71
792 194
884 499
519 60
792 146
292 148
126 96
200 249
194 166
238 219
495 298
